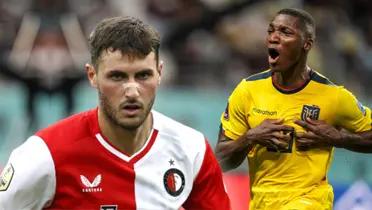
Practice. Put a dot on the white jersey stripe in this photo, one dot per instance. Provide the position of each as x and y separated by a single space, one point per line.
119 154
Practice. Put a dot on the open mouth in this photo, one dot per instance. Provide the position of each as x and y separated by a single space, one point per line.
273 53
132 107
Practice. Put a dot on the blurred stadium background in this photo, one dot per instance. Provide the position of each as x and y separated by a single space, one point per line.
208 47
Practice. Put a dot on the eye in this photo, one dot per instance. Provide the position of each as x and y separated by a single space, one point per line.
270 30
116 76
144 75
286 31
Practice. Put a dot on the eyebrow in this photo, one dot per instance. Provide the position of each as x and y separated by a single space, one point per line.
271 25
146 70
116 71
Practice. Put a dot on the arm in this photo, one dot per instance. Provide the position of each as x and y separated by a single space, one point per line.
357 142
230 153
270 133
208 190
321 134
28 180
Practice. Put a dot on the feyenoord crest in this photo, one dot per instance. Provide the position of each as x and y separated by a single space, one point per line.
6 177
311 112
174 181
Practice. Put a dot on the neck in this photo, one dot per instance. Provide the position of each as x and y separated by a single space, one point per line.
293 77
129 141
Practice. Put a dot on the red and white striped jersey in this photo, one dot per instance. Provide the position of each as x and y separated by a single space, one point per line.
71 165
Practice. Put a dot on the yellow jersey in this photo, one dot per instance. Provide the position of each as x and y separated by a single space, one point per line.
256 99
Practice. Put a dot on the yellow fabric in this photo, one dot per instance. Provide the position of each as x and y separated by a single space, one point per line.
256 99
315 198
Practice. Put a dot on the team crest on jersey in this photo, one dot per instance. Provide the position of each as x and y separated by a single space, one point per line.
91 186
174 181
226 115
311 112
6 177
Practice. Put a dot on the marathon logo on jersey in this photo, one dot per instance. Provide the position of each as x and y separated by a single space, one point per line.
174 181
226 115
264 112
361 108
6 177
311 112
109 207
91 186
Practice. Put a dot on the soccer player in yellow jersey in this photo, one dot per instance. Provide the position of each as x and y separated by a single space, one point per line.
287 120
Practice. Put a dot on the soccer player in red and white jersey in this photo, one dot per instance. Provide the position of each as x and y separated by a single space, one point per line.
123 154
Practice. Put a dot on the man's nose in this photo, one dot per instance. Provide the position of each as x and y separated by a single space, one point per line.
131 89
273 37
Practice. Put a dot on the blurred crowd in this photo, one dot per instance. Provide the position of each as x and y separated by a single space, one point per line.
206 43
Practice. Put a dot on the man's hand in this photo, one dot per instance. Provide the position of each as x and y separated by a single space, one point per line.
318 134
271 133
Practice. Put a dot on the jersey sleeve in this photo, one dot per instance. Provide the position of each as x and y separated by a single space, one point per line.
351 114
28 179
233 120
208 190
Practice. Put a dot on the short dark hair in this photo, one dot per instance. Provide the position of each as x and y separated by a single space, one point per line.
306 20
128 34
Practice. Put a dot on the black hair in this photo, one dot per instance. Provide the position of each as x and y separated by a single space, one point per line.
306 20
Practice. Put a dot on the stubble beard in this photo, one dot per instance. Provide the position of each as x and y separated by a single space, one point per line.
112 114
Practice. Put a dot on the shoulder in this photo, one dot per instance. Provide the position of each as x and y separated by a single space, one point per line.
178 134
30 179
171 127
259 80
321 79
69 129
33 151
255 82
328 87
259 76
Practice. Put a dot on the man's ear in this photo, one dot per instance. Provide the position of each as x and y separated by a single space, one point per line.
92 74
308 44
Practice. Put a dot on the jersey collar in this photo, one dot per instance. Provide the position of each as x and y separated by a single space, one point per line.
96 132
292 90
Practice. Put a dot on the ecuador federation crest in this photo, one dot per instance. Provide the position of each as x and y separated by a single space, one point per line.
174 181
6 177
311 112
